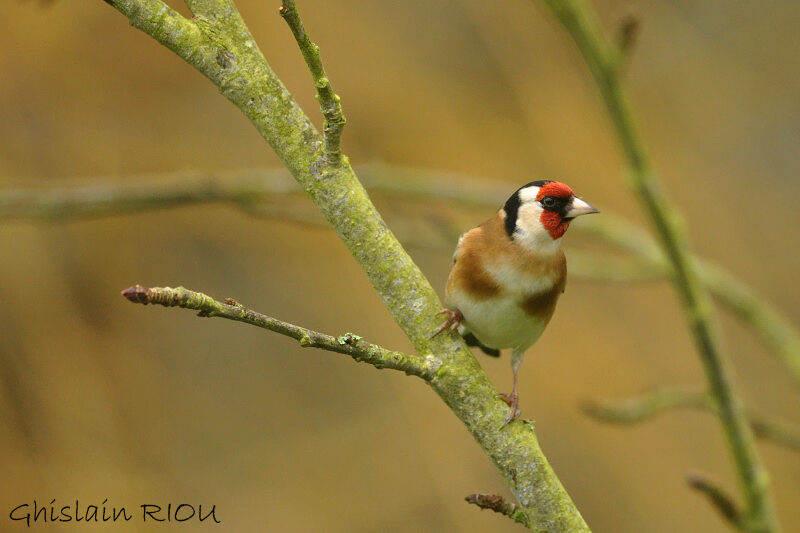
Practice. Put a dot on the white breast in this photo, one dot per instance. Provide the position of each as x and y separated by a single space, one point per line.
493 310
498 322
516 283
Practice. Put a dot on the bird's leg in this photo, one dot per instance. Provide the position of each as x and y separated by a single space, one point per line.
454 319
512 398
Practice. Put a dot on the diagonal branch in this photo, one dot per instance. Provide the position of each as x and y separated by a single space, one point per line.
161 22
604 61
329 101
348 344
227 54
650 404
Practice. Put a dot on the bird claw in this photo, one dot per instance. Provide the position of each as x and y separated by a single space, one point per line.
512 400
454 319
507 397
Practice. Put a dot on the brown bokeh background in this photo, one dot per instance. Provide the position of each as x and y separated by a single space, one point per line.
103 399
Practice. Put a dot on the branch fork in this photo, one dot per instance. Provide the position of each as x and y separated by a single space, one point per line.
329 101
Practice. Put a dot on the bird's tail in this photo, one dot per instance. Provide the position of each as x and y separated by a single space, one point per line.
472 340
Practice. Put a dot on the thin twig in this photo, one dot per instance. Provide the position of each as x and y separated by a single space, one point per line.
329 101
247 189
717 497
348 344
144 193
603 60
650 404
498 504
627 33
645 406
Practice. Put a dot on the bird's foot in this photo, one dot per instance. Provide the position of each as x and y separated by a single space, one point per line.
512 400
454 319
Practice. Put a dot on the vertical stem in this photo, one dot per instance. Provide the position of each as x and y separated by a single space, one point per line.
603 60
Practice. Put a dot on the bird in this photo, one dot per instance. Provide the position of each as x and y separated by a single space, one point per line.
509 272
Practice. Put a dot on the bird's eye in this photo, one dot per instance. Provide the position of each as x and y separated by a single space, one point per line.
549 202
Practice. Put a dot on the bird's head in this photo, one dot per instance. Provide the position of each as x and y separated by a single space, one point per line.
539 213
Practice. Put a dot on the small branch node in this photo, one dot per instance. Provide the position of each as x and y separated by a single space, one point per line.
305 340
498 504
349 339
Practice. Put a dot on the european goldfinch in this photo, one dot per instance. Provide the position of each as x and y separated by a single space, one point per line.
508 273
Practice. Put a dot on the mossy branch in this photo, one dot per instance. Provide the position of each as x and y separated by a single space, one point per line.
348 344
250 190
648 405
604 60
221 47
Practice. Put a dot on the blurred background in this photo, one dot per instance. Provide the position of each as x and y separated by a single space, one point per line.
103 399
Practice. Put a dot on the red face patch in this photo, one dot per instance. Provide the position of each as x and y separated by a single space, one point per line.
552 221
554 188
554 224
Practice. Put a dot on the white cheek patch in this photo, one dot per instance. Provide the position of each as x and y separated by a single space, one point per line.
531 233
528 218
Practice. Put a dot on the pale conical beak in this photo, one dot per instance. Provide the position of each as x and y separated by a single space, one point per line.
579 207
